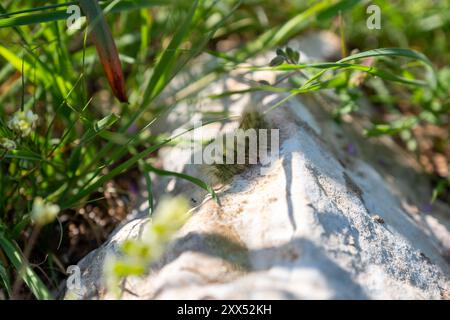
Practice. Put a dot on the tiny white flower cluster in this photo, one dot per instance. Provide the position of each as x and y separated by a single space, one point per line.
7 144
43 213
23 122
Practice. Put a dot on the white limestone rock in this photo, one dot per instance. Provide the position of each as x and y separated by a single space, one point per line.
336 216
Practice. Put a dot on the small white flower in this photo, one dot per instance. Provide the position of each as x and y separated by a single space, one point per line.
23 122
7 144
43 213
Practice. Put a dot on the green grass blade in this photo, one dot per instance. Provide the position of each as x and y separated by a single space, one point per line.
192 179
4 277
397 52
346 66
165 63
30 278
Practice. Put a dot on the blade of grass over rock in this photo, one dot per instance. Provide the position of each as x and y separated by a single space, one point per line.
397 52
345 66
194 180
310 85
388 52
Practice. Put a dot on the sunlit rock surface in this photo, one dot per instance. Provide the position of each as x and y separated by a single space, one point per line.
335 216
